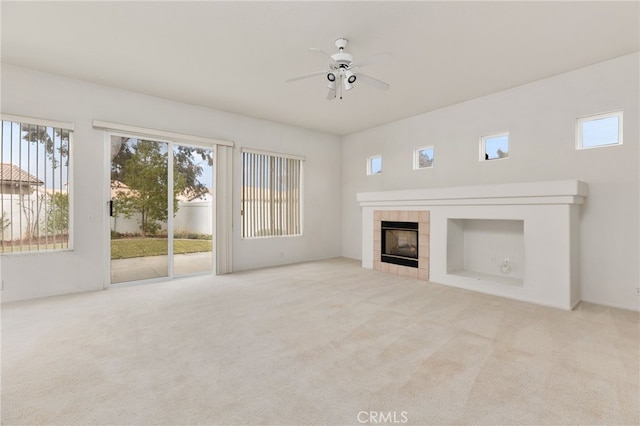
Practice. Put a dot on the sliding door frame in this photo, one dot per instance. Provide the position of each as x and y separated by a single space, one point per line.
222 211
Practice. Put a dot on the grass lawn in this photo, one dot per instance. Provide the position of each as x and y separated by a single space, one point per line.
138 247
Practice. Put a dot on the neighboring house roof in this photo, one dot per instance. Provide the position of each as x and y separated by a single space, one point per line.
12 173
51 191
189 195
118 187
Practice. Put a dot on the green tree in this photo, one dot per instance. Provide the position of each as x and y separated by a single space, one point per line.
142 166
424 159
55 141
186 171
58 214
144 171
5 221
56 147
31 206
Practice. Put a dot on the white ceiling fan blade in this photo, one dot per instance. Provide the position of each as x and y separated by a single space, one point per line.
372 81
323 53
370 60
300 77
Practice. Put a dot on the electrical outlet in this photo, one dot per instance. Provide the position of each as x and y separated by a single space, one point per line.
637 291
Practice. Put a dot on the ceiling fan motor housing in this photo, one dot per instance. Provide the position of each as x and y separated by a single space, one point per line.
342 59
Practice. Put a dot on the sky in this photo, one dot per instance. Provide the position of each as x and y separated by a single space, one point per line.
602 131
493 144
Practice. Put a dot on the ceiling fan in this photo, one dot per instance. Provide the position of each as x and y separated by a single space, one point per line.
344 71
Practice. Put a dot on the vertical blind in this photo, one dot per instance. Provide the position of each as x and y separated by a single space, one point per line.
271 195
34 186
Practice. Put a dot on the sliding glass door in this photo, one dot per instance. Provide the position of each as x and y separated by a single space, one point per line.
193 210
161 209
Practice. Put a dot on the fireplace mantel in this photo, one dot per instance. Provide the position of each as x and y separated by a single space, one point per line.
548 192
546 213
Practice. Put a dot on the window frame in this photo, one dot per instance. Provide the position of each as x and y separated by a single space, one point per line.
70 128
369 164
300 213
483 146
416 157
593 117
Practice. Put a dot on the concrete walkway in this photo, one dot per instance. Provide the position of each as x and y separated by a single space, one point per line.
144 268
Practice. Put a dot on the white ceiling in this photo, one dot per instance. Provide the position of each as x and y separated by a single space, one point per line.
236 56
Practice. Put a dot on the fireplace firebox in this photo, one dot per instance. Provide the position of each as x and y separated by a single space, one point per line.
399 243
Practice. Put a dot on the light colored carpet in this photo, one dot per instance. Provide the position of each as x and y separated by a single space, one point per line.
314 343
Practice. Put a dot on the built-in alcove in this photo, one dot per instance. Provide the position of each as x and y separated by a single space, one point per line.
487 249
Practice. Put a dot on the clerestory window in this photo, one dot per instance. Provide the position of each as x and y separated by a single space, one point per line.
600 130
494 147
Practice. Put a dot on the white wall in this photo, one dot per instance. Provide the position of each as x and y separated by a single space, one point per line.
540 118
487 243
192 217
29 93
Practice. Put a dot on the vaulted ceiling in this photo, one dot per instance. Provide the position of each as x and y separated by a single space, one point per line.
236 56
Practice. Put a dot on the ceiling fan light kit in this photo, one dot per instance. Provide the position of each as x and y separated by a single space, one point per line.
344 71
351 77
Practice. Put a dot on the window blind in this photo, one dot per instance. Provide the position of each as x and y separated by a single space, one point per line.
271 195
34 184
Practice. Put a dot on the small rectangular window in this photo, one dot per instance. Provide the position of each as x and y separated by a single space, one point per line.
599 130
423 158
374 165
271 195
494 147
34 185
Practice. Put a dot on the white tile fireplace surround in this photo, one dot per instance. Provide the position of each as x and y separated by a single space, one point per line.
518 240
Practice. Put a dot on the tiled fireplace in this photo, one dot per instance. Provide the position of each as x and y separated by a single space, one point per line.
401 242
